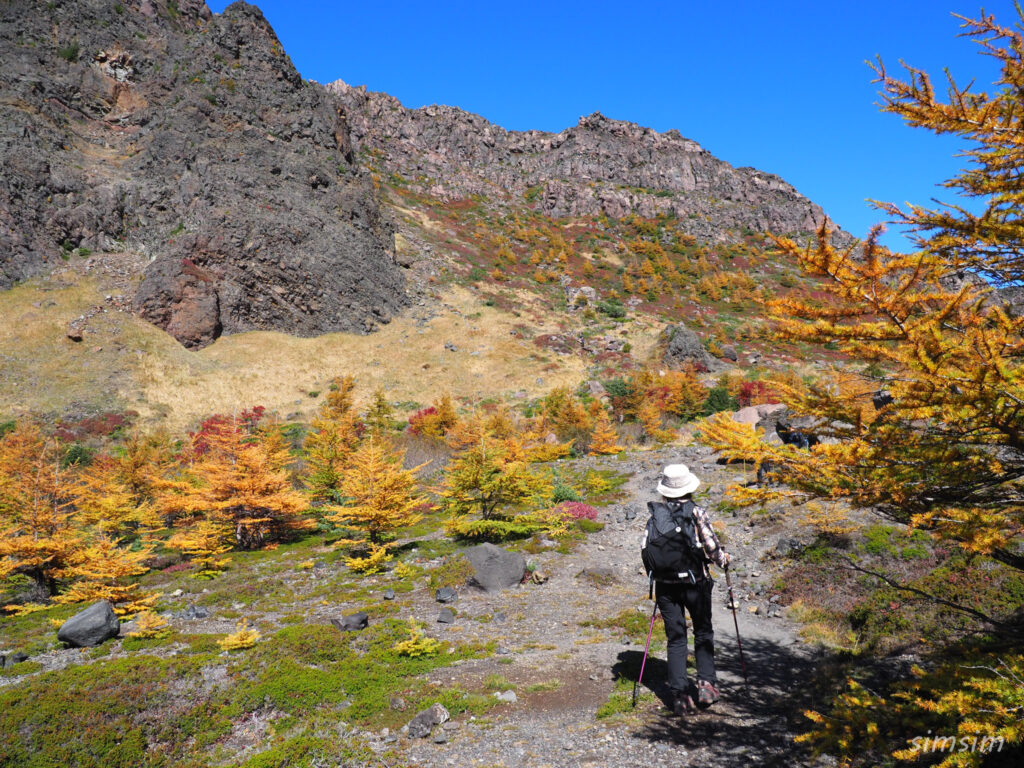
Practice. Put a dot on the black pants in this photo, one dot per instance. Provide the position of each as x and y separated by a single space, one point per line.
695 598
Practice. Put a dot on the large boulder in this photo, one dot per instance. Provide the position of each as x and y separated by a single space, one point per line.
353 622
90 627
495 568
683 347
425 722
764 416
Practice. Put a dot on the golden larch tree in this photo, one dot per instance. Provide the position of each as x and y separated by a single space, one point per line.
103 570
333 436
605 438
38 537
241 480
380 496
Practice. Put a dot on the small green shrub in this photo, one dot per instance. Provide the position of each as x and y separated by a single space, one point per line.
454 571
718 400
70 52
77 454
613 308
563 492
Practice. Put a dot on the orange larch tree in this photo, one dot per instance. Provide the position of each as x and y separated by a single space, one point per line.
38 537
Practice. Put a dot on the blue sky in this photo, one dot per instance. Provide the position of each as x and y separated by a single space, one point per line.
782 86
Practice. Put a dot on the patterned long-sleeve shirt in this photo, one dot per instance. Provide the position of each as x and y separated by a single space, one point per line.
712 546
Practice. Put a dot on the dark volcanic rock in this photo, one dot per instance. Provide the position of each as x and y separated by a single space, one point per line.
599 166
164 129
6 662
684 347
425 721
446 616
353 622
446 595
92 626
495 568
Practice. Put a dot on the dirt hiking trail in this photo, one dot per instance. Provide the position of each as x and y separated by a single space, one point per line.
563 669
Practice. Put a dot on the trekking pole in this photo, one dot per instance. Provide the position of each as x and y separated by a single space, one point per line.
735 621
636 685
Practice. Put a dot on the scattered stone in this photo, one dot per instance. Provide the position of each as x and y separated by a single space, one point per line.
629 513
15 658
446 595
537 577
450 347
194 612
177 593
755 609
509 697
729 353
421 726
397 703
499 617
788 547
446 616
353 622
390 594
90 627
495 568
441 738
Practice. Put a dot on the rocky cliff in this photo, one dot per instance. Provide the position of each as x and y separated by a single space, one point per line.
155 127
599 166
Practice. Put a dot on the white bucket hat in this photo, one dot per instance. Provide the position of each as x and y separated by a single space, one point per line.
677 480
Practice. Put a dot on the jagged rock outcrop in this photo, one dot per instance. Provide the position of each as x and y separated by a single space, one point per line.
599 166
156 126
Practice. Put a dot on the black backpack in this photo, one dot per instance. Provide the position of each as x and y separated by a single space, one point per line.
672 552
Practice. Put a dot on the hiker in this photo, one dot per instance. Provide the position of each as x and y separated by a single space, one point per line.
788 436
678 544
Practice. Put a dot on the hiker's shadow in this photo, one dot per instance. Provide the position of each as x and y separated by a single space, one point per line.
758 717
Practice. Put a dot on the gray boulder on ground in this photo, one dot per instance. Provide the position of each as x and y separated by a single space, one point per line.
495 568
764 416
446 616
194 612
446 595
683 347
90 627
6 662
353 622
425 721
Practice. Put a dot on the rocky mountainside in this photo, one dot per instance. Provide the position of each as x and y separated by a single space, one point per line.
600 166
235 196
156 128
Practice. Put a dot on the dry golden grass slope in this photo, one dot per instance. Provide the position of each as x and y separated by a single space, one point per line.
124 362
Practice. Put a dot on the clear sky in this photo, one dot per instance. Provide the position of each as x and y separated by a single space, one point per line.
779 85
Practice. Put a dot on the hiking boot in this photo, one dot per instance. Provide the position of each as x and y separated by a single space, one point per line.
707 693
682 703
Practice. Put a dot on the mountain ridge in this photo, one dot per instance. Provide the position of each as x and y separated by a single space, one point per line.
600 166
